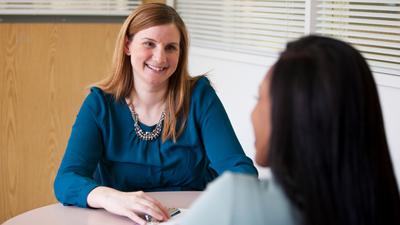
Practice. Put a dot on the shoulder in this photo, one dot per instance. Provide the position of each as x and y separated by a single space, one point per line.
238 185
201 81
203 94
263 201
97 101
97 95
201 85
215 205
232 186
229 179
227 200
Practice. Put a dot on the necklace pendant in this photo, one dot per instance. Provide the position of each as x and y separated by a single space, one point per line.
146 135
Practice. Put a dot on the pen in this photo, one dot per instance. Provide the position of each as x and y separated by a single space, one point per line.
172 212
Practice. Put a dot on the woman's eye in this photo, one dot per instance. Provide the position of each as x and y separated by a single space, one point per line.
171 48
148 44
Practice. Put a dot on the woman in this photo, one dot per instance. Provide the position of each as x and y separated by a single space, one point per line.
325 145
149 126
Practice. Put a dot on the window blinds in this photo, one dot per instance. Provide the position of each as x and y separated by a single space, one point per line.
68 7
251 26
264 26
373 27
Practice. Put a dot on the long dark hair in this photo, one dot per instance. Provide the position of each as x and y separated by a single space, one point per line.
328 145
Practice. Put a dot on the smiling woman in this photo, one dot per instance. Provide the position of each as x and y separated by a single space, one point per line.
149 126
155 55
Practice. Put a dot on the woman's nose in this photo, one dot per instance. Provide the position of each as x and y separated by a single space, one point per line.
159 55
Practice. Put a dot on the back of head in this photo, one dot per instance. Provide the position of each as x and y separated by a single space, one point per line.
328 144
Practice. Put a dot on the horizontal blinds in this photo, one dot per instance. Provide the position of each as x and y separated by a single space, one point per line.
373 27
68 7
253 26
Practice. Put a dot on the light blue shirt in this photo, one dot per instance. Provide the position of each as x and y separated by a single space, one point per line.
238 199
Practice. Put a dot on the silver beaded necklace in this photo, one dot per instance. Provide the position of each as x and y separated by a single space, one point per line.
146 135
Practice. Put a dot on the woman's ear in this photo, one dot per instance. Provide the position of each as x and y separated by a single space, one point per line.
126 46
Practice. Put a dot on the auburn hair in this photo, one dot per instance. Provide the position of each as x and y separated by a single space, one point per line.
120 81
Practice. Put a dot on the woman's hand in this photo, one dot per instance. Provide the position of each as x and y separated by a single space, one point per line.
129 204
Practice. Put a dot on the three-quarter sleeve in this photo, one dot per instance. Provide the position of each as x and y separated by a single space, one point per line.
74 179
220 142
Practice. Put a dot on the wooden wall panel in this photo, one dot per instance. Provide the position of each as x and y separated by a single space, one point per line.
44 70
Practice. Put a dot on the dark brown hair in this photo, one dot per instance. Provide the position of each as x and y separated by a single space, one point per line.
328 145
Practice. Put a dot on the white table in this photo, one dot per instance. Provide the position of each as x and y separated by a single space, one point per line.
57 214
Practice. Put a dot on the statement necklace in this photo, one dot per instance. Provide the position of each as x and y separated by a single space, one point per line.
146 135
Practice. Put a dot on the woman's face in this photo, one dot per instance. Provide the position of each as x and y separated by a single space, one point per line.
154 54
261 119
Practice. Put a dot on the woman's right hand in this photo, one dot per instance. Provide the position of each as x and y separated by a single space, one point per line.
129 204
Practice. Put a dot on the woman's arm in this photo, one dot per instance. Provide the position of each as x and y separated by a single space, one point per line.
74 183
129 204
74 179
219 139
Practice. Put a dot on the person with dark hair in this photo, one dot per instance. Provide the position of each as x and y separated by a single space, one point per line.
318 125
149 126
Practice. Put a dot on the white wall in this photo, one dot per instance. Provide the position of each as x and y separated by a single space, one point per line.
390 103
236 78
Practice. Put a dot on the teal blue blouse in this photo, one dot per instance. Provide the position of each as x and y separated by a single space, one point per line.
104 150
